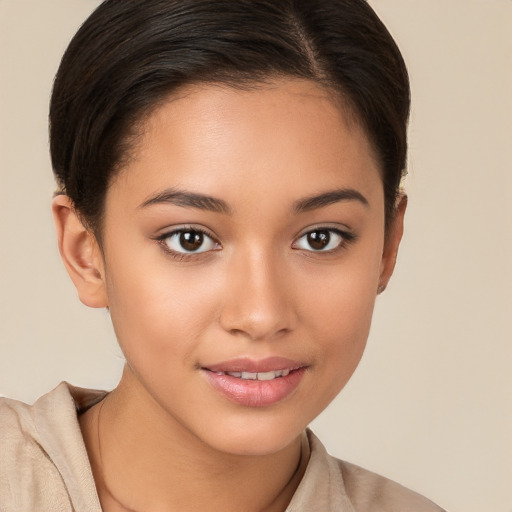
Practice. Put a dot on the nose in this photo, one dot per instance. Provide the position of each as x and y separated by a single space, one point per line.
258 302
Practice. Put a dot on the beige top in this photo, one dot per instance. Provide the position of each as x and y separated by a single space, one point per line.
44 466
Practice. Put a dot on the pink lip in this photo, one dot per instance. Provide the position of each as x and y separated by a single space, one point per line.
255 393
245 364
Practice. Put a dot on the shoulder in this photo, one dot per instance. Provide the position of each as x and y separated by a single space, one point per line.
330 484
20 440
369 491
43 455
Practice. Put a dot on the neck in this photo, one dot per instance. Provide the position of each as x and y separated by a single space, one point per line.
141 462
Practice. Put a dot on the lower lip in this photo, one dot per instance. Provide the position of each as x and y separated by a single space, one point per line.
255 393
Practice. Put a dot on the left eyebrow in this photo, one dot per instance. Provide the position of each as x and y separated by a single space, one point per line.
327 198
188 200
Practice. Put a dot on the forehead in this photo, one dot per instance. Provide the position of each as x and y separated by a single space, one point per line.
223 140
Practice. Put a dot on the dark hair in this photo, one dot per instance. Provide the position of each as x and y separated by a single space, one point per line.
129 55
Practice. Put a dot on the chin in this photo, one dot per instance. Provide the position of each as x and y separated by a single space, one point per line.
253 437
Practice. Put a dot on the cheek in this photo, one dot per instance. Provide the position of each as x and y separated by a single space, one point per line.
339 314
341 298
340 338
342 320
159 311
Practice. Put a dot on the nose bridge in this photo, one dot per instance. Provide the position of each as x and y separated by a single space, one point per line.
258 302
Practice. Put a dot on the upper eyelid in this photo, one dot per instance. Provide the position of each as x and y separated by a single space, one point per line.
342 230
348 237
162 238
170 231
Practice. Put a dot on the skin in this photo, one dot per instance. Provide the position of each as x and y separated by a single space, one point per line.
165 438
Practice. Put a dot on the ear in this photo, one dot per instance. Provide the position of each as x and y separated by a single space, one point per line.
392 242
80 253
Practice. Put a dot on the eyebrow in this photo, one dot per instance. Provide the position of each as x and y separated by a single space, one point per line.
213 204
327 198
188 199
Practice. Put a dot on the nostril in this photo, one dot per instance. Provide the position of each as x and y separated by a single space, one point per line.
255 334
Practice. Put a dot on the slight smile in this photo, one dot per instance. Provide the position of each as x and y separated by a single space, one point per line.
256 383
258 375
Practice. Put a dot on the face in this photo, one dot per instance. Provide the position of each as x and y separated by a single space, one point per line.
243 248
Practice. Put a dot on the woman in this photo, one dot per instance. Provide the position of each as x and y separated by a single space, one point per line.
229 189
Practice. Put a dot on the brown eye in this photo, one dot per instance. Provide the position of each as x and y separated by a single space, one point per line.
322 240
189 241
319 240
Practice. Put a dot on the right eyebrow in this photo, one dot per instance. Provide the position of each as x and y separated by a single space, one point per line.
188 200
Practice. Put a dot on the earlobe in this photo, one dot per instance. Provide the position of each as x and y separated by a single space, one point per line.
392 242
80 253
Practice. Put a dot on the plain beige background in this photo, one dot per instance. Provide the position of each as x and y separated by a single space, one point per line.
430 405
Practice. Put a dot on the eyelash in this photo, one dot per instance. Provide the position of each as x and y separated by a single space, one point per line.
181 256
346 239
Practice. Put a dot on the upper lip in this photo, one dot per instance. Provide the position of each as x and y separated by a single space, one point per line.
245 364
